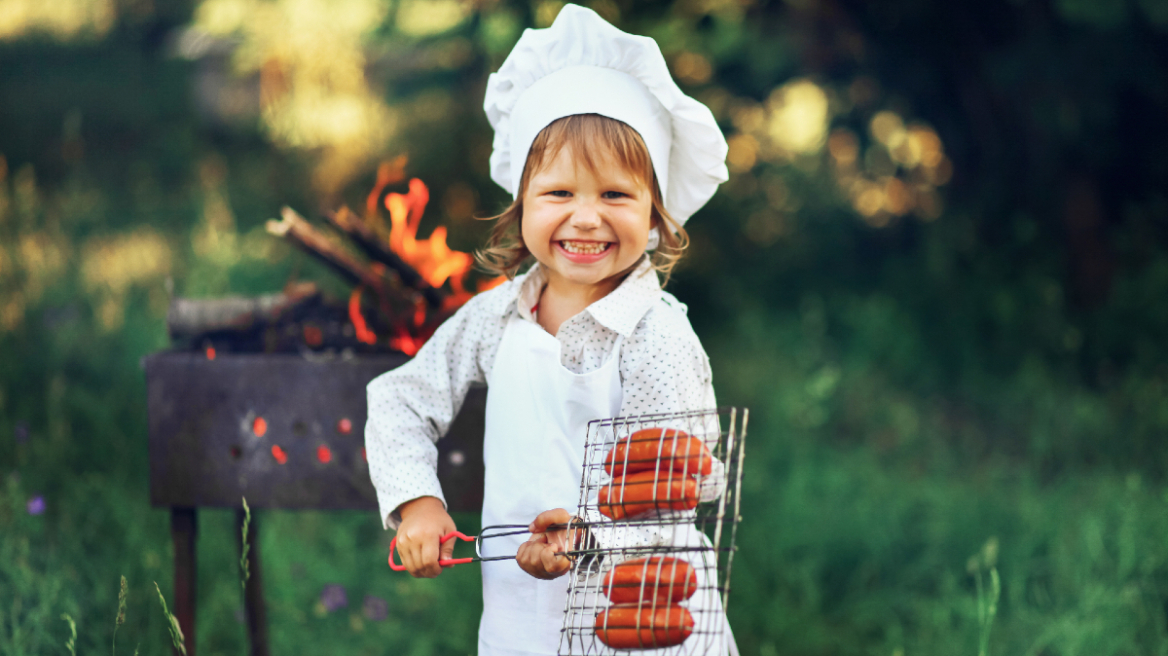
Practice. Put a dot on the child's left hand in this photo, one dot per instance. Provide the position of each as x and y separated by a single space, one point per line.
538 556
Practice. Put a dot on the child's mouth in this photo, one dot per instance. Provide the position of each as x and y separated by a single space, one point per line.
583 251
585 247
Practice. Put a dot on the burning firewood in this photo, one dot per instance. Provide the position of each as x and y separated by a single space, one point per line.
378 249
398 299
295 228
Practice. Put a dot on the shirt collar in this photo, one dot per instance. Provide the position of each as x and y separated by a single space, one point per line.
624 308
620 311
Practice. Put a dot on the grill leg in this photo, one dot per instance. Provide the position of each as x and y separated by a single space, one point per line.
253 597
184 530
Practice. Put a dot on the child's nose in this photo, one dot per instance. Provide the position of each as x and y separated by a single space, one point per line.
586 216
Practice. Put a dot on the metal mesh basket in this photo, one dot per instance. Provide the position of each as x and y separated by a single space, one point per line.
661 514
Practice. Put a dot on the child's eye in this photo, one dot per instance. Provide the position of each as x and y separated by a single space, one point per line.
561 193
613 195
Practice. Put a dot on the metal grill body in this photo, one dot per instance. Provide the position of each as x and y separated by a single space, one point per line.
699 530
206 451
284 430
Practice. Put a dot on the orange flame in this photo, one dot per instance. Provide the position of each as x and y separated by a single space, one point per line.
432 258
388 173
406 343
364 334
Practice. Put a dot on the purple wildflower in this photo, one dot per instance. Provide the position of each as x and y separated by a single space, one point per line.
36 505
375 609
333 597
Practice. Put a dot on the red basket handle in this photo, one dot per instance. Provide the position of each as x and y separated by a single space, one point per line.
447 562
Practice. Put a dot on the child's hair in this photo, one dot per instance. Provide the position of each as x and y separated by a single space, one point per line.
505 252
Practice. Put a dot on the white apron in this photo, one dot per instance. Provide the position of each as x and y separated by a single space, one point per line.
536 423
533 450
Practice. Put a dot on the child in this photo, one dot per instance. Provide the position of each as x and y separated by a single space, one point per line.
606 158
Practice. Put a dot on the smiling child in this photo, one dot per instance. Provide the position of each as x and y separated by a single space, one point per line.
606 158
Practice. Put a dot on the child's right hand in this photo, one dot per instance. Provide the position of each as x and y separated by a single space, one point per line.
424 522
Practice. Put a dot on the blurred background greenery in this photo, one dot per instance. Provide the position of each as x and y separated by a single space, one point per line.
938 276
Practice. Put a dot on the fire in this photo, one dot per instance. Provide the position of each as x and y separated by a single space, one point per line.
432 258
364 334
406 343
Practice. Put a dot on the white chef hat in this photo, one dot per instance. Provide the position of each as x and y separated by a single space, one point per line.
584 65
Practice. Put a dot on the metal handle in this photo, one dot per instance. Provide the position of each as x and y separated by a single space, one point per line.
446 562
488 532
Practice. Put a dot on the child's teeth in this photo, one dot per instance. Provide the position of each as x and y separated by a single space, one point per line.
585 248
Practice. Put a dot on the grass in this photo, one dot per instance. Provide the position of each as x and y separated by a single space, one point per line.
176 634
864 498
843 550
244 569
863 502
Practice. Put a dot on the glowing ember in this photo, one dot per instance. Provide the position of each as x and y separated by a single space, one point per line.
323 454
259 427
279 454
344 426
313 336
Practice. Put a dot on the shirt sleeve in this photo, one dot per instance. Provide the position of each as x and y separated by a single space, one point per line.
664 369
412 406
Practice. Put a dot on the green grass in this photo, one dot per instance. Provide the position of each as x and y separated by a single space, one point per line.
850 544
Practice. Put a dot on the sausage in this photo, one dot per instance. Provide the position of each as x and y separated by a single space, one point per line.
634 494
637 626
674 449
656 579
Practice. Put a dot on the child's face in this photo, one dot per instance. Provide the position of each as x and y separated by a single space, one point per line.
584 227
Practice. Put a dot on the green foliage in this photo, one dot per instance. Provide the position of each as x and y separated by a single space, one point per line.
917 389
862 500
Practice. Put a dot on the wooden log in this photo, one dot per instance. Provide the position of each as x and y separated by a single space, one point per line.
378 249
296 229
189 317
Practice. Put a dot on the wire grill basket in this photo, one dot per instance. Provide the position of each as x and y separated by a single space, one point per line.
661 513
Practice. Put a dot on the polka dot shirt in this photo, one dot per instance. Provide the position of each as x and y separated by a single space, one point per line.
663 368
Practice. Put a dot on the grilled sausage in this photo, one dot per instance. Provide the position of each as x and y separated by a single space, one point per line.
655 579
674 449
636 626
634 494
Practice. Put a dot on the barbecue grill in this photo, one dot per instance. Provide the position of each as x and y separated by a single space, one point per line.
284 430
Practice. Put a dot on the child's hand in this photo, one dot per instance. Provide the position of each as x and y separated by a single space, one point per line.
424 522
538 556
